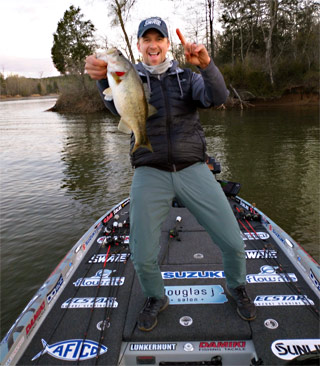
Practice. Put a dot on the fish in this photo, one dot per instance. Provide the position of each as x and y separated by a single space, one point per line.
72 350
129 97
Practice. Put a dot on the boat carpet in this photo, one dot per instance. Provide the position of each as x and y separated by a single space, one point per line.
191 264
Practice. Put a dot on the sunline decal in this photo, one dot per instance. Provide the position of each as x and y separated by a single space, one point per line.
288 349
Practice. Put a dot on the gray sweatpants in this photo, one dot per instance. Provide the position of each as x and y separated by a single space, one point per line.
152 191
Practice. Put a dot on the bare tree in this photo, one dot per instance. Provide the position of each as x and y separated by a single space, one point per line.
120 11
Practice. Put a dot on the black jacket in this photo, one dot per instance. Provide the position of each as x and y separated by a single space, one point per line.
175 132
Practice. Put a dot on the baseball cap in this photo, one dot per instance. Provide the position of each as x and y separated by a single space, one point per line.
153 23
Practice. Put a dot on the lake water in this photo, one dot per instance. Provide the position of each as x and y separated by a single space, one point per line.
60 173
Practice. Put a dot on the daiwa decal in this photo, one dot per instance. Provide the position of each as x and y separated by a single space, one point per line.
261 254
89 302
192 274
36 316
255 235
222 346
102 278
152 346
282 300
287 349
55 290
113 258
314 280
269 274
180 295
72 350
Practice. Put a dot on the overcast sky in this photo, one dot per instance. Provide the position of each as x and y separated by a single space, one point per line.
27 27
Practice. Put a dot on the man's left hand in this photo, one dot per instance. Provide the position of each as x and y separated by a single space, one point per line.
195 54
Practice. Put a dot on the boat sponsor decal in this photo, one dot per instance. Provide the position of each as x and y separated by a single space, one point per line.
55 290
269 274
261 254
105 239
314 280
15 351
103 324
35 317
91 236
88 302
254 235
222 346
192 274
180 295
72 349
113 258
186 321
188 347
152 347
271 324
282 300
287 349
102 278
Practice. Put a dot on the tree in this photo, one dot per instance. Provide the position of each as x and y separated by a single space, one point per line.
73 41
120 10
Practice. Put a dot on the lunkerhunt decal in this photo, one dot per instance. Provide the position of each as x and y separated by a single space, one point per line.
222 346
282 300
287 349
102 277
180 295
152 346
87 302
269 274
72 350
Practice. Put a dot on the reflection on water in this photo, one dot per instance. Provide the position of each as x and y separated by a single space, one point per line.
60 173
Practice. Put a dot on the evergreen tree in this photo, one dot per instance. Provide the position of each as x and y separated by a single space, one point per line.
73 42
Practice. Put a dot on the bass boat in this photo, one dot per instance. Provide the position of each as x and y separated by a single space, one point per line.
86 311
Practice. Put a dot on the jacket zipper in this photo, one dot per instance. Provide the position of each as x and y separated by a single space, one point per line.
168 124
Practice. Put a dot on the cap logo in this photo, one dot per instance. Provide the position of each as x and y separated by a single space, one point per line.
152 21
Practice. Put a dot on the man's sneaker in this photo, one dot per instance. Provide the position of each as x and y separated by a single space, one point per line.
147 319
245 306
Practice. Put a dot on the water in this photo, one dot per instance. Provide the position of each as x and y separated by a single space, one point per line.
60 173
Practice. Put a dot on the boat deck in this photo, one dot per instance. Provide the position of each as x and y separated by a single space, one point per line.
201 322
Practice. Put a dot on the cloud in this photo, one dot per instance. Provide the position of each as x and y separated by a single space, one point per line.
28 67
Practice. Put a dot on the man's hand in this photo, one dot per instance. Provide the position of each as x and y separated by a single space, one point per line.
96 68
195 54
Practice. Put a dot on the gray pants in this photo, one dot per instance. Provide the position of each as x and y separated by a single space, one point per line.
152 191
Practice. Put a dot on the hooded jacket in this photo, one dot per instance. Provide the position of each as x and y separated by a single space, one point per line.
175 132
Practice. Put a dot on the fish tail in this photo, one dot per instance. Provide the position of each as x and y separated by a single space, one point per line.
146 145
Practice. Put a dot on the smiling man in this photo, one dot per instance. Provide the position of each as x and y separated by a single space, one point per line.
176 167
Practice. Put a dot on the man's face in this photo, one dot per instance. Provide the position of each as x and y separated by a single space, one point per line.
153 47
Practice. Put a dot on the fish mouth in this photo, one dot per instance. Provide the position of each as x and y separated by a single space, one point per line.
110 51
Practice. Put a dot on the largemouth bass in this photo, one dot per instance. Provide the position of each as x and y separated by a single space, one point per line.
126 90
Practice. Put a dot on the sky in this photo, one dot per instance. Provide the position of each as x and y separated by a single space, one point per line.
27 27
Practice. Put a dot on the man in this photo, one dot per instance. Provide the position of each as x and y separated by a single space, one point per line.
176 167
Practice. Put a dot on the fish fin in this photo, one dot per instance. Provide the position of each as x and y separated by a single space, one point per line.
108 94
146 91
151 110
124 127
